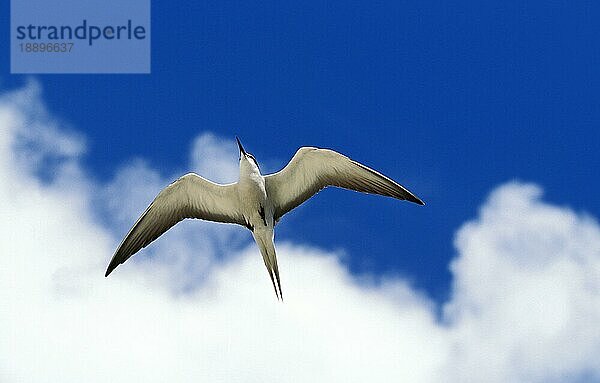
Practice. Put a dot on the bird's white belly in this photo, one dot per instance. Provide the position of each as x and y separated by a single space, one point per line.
254 203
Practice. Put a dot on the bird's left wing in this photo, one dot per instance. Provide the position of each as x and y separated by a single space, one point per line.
312 169
191 196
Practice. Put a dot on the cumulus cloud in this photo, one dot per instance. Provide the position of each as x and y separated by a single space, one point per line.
198 305
212 157
526 299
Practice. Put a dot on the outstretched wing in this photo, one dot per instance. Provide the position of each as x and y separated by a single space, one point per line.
312 169
191 196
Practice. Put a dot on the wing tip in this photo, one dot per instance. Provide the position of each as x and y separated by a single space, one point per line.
418 201
110 269
408 196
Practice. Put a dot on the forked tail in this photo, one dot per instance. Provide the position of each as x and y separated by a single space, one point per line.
264 240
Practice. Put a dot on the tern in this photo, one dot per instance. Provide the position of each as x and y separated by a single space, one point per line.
257 202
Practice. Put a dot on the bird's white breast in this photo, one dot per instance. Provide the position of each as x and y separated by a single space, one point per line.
252 194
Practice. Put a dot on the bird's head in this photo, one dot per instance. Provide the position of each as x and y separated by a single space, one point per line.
247 160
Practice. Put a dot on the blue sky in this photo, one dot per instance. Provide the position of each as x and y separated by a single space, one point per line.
449 99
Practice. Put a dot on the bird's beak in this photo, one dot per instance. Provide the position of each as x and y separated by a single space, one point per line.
242 151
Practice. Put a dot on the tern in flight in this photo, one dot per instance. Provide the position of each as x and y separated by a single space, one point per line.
257 202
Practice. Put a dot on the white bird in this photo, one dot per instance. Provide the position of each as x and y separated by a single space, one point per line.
257 202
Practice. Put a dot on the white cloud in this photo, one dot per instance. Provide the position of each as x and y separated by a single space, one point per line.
214 158
524 307
526 299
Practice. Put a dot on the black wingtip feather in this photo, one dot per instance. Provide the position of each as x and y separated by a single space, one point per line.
112 265
418 201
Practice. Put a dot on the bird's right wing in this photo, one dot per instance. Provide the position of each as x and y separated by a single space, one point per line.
312 169
191 196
